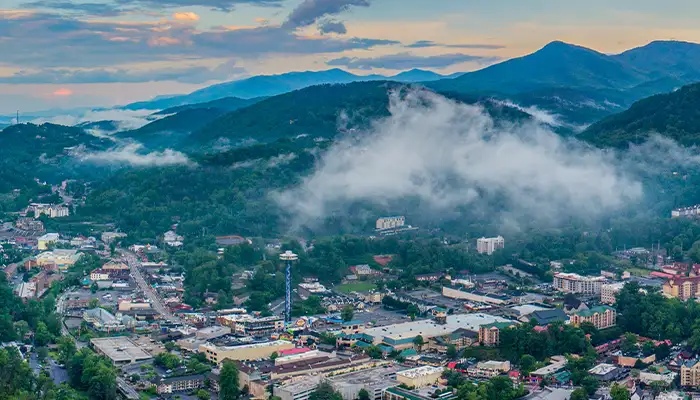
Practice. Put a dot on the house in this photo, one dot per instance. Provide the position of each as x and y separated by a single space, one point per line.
172 239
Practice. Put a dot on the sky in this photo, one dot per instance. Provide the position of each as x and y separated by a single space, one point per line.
100 53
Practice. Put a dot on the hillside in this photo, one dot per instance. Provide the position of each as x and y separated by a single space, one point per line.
675 115
225 104
316 111
28 151
660 59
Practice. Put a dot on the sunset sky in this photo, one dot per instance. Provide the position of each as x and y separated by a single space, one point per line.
70 53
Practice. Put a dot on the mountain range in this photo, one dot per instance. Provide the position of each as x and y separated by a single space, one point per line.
272 85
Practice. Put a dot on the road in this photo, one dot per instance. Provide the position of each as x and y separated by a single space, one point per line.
126 389
156 301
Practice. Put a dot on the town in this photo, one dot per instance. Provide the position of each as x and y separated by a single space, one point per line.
361 339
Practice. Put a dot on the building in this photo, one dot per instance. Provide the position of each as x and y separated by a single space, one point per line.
480 297
133 305
217 354
306 290
363 270
103 320
605 372
608 292
26 290
374 380
108 275
575 283
50 210
419 377
387 223
690 373
398 393
115 266
489 369
44 241
546 317
297 389
460 338
489 245
601 317
230 240
490 334
172 239
212 332
686 212
682 287
29 224
119 349
178 384
248 325
400 336
109 237
58 258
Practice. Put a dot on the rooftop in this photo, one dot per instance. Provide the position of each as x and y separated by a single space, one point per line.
602 369
594 310
429 328
420 371
120 349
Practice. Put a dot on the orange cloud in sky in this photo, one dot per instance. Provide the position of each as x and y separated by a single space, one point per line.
63 92
186 16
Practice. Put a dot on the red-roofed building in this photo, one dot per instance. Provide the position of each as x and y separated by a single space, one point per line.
663 275
291 352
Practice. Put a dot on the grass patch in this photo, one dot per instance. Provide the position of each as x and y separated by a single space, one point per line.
356 287
638 271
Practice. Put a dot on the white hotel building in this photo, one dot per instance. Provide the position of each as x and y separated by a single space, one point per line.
575 283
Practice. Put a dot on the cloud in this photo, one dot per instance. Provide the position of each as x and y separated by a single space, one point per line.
120 7
429 43
63 92
326 27
452 158
132 154
186 16
69 42
310 11
193 74
540 115
403 61
125 119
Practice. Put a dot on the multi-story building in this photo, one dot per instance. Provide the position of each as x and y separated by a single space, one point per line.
58 258
490 334
419 377
217 354
44 241
298 389
575 283
50 210
608 292
601 317
107 275
29 224
251 326
683 287
690 373
391 222
686 212
179 384
374 380
109 237
489 245
489 369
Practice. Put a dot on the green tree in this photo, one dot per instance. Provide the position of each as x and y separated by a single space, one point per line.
579 394
527 364
42 353
203 394
274 355
22 328
325 391
629 343
363 394
347 313
66 349
374 352
451 351
619 392
418 342
42 336
228 381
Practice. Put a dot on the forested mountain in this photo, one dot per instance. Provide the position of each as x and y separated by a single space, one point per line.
272 85
661 59
224 104
316 111
674 115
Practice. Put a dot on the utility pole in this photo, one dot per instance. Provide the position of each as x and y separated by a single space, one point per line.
288 257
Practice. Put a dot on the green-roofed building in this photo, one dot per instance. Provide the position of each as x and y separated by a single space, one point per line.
601 317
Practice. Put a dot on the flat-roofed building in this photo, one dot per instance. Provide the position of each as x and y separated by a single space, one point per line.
59 258
481 297
374 380
44 241
179 384
119 349
575 283
297 389
400 336
489 369
248 325
419 377
217 354
490 245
